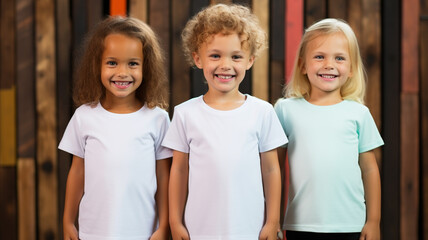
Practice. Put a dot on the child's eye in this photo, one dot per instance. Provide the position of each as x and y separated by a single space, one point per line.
319 57
236 57
339 58
111 63
133 64
214 56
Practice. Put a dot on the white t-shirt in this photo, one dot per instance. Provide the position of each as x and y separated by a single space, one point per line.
326 191
225 190
119 152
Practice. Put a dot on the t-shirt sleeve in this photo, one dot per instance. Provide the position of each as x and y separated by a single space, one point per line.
272 135
279 110
175 138
161 151
73 141
368 135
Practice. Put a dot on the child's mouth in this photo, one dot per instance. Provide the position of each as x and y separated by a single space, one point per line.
328 76
224 78
121 84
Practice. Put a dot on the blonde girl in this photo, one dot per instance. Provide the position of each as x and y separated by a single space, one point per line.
334 178
118 180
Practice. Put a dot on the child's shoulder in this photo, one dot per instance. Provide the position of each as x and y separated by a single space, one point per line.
287 101
257 101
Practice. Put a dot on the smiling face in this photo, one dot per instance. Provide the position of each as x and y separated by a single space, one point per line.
121 67
224 62
327 64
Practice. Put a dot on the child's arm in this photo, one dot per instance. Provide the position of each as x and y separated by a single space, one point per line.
162 176
272 188
371 181
178 194
282 153
73 195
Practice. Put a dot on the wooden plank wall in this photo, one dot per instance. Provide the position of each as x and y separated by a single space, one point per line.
40 42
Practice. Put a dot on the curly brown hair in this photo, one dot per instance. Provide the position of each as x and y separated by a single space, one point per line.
225 19
88 88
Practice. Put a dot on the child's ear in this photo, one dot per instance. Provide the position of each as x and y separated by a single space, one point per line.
250 62
197 60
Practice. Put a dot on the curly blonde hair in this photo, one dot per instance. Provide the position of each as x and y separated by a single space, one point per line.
88 88
224 19
355 87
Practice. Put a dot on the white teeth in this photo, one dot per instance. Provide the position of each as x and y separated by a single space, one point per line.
328 76
224 77
122 83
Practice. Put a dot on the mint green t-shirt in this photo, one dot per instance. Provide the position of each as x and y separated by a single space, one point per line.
326 191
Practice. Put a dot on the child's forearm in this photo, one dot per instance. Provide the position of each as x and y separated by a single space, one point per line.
272 186
162 175
74 190
178 187
371 181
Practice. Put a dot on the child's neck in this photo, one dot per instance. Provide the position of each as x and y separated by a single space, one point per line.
121 106
224 102
324 100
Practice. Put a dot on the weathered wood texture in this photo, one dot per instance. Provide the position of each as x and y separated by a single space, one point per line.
391 82
48 214
410 159
423 63
41 40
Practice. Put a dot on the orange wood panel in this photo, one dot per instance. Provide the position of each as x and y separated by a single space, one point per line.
118 7
293 33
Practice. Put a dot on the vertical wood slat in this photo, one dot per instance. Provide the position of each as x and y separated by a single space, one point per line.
118 7
26 199
139 9
409 167
8 216
95 12
179 69
161 24
25 84
315 10
64 85
409 121
46 127
293 33
7 84
338 9
391 81
423 30
25 78
276 48
260 76
371 50
197 79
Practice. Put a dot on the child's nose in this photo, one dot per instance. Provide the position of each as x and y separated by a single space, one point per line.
328 63
122 71
225 64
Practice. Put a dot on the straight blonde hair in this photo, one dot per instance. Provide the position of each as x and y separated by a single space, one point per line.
354 88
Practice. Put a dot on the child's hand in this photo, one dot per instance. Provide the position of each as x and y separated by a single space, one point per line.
70 232
160 234
179 232
371 231
269 232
